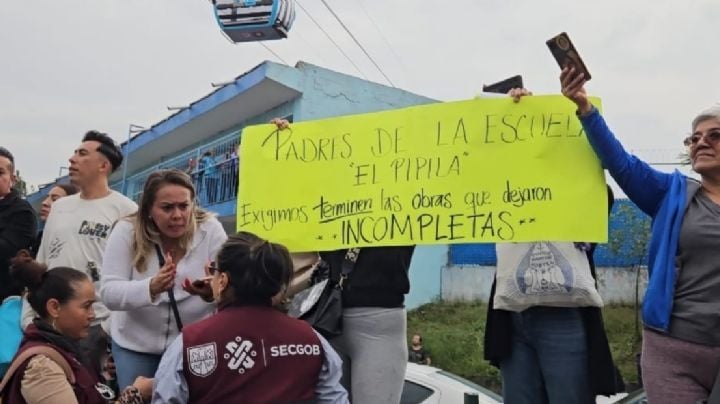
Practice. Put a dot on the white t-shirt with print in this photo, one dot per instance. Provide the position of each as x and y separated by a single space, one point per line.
75 236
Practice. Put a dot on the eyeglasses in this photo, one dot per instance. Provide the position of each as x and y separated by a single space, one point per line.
212 268
712 137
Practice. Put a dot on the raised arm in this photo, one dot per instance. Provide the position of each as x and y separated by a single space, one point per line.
644 185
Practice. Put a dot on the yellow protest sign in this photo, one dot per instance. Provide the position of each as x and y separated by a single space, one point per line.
484 170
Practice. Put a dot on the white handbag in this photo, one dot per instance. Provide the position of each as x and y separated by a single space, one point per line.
543 274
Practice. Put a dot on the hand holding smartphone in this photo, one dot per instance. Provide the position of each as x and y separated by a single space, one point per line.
504 86
566 55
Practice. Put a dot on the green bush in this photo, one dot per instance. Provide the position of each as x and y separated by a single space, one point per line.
453 334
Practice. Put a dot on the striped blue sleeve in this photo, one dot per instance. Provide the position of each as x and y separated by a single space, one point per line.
328 389
170 385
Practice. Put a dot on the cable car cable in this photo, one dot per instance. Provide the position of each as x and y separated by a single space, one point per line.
273 53
387 42
309 45
331 39
357 42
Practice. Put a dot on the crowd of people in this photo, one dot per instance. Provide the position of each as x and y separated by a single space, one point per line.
215 175
155 303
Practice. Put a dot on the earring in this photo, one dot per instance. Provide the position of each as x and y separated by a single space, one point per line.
53 324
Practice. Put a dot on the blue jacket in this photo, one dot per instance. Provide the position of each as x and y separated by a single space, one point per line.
209 166
660 195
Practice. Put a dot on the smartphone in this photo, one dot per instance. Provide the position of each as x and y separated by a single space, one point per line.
566 55
504 86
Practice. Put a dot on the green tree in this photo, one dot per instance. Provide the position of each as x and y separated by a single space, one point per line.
630 240
20 185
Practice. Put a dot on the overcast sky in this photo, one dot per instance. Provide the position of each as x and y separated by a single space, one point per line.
73 65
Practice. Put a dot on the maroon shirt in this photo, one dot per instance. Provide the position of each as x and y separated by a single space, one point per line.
85 380
251 354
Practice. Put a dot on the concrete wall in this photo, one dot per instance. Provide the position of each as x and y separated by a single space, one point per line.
327 93
472 282
467 282
617 285
426 275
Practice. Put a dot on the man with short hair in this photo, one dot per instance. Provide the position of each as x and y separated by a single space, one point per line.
417 352
78 227
17 223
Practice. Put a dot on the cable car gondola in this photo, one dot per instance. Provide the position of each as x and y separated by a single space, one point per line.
254 20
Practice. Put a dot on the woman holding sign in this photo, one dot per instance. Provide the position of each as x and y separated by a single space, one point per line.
681 309
373 343
547 335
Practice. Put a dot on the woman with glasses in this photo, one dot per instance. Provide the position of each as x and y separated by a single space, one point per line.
249 351
170 237
681 309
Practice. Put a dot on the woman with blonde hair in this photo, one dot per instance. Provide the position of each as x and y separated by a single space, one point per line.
170 237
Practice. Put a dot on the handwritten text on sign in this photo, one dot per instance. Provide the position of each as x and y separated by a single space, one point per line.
485 170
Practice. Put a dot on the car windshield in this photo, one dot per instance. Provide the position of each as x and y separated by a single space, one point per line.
472 385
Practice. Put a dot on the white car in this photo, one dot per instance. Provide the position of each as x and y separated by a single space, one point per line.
429 385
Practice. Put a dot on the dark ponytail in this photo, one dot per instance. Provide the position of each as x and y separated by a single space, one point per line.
257 269
43 284
69 189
